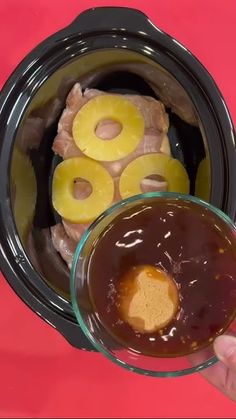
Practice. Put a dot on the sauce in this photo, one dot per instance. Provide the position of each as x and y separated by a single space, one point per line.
187 243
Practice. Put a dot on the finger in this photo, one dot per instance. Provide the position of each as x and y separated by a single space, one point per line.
225 349
220 375
222 378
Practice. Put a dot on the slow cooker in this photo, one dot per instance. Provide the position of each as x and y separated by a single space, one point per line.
116 50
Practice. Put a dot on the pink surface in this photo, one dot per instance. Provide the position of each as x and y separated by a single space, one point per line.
41 375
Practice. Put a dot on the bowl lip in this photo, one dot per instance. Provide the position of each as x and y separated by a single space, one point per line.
41 298
145 196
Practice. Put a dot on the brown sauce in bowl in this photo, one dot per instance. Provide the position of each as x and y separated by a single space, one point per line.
193 248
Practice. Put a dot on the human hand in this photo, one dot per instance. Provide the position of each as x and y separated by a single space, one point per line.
223 374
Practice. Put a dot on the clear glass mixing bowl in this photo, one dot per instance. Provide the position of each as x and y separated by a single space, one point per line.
95 331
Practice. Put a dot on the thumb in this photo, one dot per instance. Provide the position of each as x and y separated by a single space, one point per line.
225 349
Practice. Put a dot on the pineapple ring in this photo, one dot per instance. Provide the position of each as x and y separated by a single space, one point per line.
203 180
108 107
153 164
86 210
23 177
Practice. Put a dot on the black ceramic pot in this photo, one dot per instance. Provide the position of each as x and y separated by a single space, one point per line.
114 49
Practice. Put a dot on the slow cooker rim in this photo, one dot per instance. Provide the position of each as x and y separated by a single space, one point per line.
23 68
66 326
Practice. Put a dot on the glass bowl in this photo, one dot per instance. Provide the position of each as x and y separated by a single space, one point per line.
94 330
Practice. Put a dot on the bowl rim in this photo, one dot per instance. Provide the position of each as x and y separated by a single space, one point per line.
211 361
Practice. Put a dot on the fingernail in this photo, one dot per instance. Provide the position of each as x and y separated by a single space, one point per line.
225 347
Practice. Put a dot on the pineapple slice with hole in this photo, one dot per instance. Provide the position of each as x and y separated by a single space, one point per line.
153 164
24 192
63 199
108 107
203 180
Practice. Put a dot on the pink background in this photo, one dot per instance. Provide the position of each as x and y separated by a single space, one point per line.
40 374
